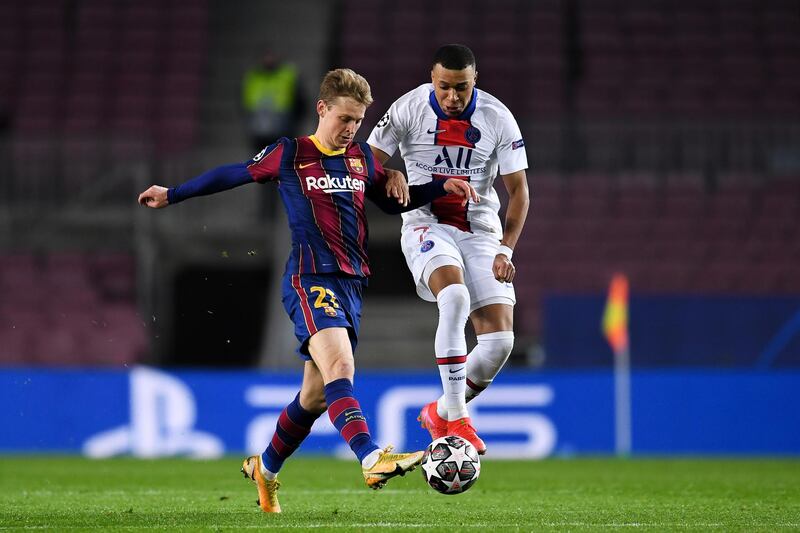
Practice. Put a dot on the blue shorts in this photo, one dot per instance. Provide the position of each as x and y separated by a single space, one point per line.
319 301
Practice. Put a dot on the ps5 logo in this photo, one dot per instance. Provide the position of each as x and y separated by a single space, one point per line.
162 418
163 415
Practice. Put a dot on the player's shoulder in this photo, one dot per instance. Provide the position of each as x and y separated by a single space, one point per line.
358 148
272 150
415 97
408 109
492 107
286 142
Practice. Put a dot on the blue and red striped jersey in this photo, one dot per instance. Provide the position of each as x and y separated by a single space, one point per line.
323 192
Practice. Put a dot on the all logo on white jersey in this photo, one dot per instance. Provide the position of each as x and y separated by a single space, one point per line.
444 157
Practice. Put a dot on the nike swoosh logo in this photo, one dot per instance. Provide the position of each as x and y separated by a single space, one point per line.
301 165
431 132
457 370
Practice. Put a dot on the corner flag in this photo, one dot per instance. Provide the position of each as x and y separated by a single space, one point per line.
615 317
615 328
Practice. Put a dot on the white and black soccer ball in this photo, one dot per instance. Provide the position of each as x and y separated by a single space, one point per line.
451 465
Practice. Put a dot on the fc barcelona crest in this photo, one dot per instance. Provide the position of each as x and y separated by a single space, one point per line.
355 164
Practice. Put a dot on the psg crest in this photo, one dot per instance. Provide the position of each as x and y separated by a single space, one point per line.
426 246
472 134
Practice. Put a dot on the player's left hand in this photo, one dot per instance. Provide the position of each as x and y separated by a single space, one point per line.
462 188
396 186
503 268
155 196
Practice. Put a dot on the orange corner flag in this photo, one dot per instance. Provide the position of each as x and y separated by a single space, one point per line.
615 317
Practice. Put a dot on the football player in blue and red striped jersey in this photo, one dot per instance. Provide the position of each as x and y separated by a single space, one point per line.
324 180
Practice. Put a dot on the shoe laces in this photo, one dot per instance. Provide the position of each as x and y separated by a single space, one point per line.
465 425
273 485
387 455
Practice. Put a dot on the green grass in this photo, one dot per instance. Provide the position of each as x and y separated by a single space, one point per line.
75 494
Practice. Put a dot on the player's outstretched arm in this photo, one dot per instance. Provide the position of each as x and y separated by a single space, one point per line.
215 180
420 195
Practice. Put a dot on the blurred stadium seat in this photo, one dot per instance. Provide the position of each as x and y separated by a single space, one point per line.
94 68
674 240
68 309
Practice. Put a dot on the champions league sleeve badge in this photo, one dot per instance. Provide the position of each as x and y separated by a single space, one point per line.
472 135
260 154
383 121
426 246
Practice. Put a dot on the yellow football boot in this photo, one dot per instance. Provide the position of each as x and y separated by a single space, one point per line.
267 490
390 465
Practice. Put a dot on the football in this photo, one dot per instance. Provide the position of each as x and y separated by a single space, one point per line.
451 465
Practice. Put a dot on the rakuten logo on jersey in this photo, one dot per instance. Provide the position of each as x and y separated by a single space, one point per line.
330 184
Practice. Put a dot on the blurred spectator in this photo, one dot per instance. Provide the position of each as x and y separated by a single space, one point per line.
273 101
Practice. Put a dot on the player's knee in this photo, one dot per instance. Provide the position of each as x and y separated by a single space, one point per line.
504 345
496 347
454 299
314 402
342 367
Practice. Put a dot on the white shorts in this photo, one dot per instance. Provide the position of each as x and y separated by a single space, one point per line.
430 246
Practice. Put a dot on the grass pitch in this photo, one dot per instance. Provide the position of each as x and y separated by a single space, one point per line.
75 494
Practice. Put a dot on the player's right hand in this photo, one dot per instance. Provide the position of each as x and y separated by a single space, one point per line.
462 188
503 269
397 186
155 196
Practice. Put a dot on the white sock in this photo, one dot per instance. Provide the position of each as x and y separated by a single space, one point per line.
269 476
484 362
371 458
451 348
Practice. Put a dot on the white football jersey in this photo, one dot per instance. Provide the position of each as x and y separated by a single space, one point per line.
484 140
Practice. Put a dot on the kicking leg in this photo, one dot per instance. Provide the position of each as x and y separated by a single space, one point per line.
331 350
294 425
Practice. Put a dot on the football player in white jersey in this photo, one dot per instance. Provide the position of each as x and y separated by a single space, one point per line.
460 256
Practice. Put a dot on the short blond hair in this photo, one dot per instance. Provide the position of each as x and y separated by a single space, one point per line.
347 83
